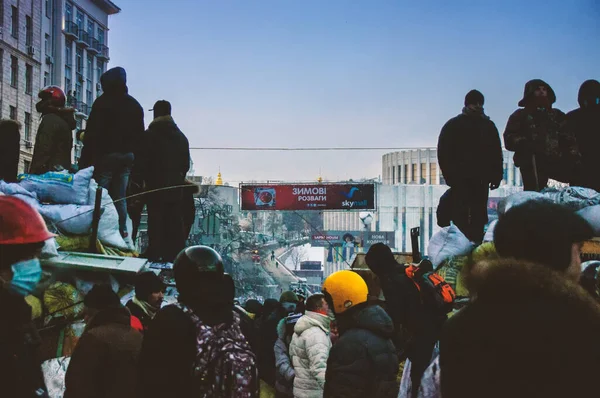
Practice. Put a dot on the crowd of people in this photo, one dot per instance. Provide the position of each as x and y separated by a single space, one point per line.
547 144
128 159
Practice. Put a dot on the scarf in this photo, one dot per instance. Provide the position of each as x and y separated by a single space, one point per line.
147 308
474 112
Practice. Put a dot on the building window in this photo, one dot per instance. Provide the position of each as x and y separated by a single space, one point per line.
79 60
68 80
46 79
14 28
69 12
68 52
423 173
46 44
100 35
393 175
27 126
432 173
13 112
414 173
26 166
91 26
28 31
89 72
80 19
405 174
49 8
78 90
28 79
89 93
14 71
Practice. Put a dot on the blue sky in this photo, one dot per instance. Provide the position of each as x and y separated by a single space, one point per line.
342 73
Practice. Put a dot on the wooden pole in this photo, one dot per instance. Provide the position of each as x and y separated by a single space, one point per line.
96 221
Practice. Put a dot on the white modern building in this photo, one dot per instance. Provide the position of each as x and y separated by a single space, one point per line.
51 42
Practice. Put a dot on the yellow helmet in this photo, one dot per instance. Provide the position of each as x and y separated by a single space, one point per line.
346 289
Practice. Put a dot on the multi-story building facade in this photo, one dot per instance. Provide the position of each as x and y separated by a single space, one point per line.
44 42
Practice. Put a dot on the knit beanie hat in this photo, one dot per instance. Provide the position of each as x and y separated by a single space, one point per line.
474 97
289 297
147 283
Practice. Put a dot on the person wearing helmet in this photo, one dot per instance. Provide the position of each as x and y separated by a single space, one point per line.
10 149
363 362
584 122
54 139
22 236
199 339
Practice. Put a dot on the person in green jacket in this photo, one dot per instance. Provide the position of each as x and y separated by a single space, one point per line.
54 140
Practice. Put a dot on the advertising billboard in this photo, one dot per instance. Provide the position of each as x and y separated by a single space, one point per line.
307 197
352 239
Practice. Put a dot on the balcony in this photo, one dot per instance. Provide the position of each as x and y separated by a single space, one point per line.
71 29
94 47
83 39
103 52
82 109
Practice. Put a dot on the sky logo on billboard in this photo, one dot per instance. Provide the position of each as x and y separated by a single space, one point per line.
350 194
355 203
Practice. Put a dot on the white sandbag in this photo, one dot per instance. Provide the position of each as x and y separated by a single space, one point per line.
447 243
50 249
59 188
69 219
489 233
54 371
519 198
591 214
108 227
575 198
12 189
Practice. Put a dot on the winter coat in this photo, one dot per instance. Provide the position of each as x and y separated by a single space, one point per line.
116 121
53 142
363 362
537 131
166 154
10 149
528 332
21 373
584 123
284 378
309 351
105 360
469 149
173 338
139 313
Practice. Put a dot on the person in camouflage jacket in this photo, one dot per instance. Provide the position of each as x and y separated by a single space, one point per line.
543 148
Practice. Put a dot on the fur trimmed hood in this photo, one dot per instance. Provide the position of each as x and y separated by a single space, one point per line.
162 119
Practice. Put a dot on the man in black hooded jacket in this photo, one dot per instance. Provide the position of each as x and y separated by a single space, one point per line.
113 133
470 157
584 123
165 162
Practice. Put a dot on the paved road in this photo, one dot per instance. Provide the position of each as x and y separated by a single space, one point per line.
282 276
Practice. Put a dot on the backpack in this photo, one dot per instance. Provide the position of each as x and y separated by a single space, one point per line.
225 365
436 293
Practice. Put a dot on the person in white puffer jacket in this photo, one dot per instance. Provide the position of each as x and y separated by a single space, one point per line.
309 349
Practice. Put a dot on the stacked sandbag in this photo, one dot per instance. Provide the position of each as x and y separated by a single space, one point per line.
448 243
59 188
62 300
108 227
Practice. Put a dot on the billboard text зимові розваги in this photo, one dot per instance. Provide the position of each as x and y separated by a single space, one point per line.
307 197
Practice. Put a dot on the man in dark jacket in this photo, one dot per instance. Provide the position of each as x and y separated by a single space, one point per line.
529 330
22 236
54 139
166 161
363 362
200 338
10 149
470 157
149 295
542 149
113 135
584 123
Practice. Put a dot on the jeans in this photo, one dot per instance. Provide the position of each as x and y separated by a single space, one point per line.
112 173
166 229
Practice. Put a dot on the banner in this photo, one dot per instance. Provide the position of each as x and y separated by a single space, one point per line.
307 197
346 239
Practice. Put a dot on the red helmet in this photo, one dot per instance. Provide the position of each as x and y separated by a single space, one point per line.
54 94
20 223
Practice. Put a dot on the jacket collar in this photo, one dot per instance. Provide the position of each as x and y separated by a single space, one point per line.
162 119
119 315
312 319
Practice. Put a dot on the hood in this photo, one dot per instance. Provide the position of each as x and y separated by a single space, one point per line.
509 280
369 317
9 124
380 259
120 315
311 320
114 81
530 87
589 93
162 120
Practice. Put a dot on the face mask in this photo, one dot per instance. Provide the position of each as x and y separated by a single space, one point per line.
26 276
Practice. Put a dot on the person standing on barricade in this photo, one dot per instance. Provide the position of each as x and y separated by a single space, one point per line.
166 161
22 236
542 149
113 133
470 156
54 139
